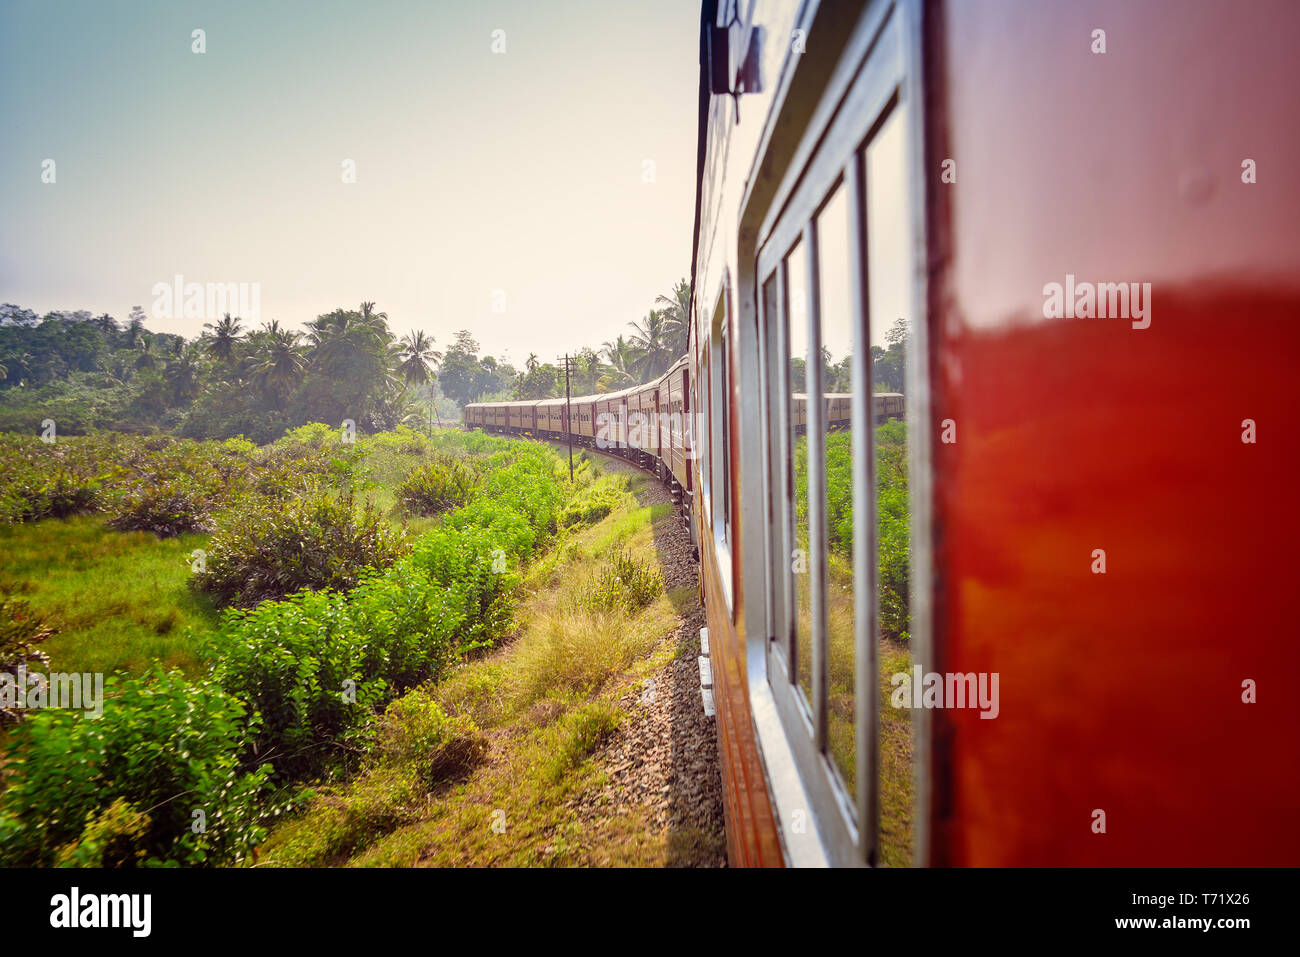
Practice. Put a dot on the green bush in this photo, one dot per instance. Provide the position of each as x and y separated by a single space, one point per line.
443 483
316 665
167 509
415 731
594 502
275 548
300 664
113 837
165 747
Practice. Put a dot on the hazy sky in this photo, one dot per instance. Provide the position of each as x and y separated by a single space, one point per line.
475 172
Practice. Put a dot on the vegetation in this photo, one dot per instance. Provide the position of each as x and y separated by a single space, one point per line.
319 540
291 689
163 758
87 372
888 366
484 766
443 483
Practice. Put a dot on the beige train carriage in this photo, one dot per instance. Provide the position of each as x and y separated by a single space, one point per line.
550 417
642 416
611 420
523 415
887 405
839 409
584 418
674 423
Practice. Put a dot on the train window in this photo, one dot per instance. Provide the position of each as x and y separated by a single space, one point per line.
700 424
888 245
797 329
774 413
836 275
720 392
842 431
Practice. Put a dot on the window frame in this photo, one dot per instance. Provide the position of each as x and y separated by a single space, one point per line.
880 88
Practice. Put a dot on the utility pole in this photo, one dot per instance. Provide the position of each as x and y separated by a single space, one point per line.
568 415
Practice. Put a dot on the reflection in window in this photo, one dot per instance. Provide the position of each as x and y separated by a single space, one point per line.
800 559
773 532
837 338
888 252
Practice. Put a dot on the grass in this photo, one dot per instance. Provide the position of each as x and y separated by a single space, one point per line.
118 601
547 702
121 601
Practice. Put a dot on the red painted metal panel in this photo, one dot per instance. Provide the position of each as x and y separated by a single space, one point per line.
1121 691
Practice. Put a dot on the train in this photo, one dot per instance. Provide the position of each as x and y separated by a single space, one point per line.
1079 649
648 424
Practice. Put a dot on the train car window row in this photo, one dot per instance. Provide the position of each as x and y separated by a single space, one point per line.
834 274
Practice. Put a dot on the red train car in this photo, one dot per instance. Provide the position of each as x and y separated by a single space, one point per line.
1066 204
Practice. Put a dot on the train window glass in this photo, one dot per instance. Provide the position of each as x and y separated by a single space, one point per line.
771 415
700 425
836 319
888 248
721 393
796 284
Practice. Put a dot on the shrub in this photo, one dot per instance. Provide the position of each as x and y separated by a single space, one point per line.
594 502
169 508
299 664
415 731
164 747
20 632
443 483
41 484
625 583
112 838
278 547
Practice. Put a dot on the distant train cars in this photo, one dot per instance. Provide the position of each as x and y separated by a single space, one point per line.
648 424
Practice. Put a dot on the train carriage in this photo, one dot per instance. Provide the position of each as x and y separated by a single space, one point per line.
553 413
643 434
905 166
584 410
674 412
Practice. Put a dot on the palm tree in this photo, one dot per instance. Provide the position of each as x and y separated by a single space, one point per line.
368 312
225 336
336 338
279 364
184 372
416 356
677 315
622 359
531 362
651 339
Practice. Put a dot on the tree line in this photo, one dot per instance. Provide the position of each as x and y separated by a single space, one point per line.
87 371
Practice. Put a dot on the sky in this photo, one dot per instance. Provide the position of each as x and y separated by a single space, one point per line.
541 197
